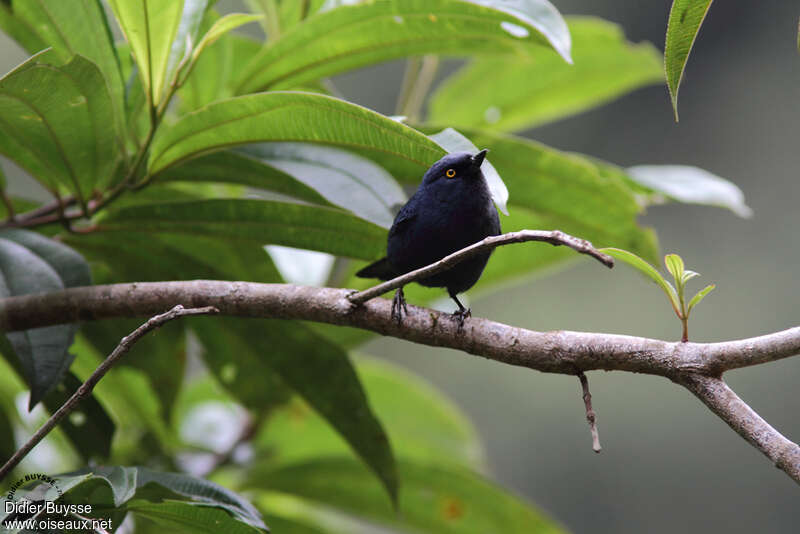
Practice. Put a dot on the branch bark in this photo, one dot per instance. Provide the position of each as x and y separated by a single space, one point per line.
696 366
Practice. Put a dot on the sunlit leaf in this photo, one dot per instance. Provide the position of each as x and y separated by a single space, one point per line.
685 18
357 35
674 264
515 93
692 186
699 296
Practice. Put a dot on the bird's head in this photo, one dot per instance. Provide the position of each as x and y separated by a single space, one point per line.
456 167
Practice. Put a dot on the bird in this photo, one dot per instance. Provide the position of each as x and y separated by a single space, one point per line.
451 209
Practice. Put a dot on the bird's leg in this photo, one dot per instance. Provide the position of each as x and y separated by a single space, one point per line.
399 305
462 313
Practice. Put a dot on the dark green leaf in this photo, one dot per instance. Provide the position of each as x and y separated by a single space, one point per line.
150 27
157 496
691 185
432 498
41 352
70 266
238 168
71 27
88 426
55 123
288 116
325 379
354 36
421 422
263 222
685 19
342 178
515 93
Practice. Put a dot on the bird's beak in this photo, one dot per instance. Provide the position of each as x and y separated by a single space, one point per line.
478 158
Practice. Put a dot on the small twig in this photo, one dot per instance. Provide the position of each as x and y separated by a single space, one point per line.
86 388
554 237
591 417
45 209
419 89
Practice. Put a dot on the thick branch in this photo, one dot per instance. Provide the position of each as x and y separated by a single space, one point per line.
86 388
697 366
554 237
724 402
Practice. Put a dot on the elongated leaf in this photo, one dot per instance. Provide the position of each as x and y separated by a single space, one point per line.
692 186
240 168
157 495
433 498
55 123
325 379
217 66
150 27
342 178
675 266
186 35
71 27
699 296
88 426
222 26
41 352
421 423
293 225
354 36
282 116
453 141
515 93
685 18
648 270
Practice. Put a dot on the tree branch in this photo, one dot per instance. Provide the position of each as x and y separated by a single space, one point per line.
696 366
554 237
86 388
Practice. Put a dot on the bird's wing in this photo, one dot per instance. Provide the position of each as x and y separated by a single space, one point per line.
404 216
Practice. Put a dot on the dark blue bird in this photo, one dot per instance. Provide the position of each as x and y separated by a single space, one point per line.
452 209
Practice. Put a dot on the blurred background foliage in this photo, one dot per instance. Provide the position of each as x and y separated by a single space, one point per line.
738 110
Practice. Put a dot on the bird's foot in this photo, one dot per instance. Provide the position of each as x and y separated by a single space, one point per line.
460 316
399 305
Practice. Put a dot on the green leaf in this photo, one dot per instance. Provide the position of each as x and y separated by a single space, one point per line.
70 28
237 167
421 423
183 45
221 27
433 498
516 93
8 445
34 264
160 356
685 18
263 222
88 426
157 495
325 379
343 179
216 67
699 296
180 517
453 141
288 116
691 185
688 275
55 123
354 36
675 267
648 270
150 27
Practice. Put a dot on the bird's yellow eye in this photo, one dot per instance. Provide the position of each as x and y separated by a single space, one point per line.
450 173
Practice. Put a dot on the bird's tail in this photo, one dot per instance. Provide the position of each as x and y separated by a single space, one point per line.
381 269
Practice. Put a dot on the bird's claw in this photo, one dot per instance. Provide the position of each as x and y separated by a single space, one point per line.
399 305
460 316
